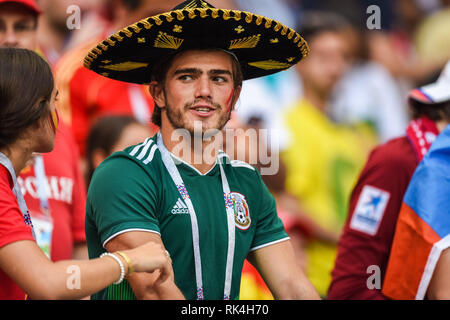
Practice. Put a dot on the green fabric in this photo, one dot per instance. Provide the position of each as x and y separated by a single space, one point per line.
126 194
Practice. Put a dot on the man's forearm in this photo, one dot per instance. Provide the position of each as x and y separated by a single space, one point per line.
144 288
296 290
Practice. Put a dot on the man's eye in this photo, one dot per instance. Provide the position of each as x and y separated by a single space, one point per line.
23 28
219 79
185 77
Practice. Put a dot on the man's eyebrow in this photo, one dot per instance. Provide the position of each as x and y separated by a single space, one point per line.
219 71
188 70
198 71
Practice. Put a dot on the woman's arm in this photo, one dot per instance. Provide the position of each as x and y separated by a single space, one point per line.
40 278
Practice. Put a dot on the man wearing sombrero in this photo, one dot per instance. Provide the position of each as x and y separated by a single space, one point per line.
210 215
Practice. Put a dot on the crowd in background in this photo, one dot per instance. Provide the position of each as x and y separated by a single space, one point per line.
326 113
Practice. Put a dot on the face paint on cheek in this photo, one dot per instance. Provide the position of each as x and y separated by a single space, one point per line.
229 100
55 120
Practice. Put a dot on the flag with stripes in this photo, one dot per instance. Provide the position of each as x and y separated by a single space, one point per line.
423 225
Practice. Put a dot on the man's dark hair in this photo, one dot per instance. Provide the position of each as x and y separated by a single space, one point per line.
313 23
26 85
159 73
132 4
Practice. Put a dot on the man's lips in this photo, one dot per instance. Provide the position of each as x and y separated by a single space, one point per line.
202 110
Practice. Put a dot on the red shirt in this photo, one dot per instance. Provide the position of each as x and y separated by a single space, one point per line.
66 193
12 229
367 239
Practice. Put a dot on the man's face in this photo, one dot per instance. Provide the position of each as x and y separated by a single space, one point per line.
17 27
326 63
198 87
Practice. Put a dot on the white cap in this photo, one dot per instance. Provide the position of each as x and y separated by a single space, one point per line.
435 92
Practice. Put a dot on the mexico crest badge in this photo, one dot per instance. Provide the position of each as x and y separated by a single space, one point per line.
241 211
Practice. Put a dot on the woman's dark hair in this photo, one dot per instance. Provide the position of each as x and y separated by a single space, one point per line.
26 85
103 135
435 112
159 73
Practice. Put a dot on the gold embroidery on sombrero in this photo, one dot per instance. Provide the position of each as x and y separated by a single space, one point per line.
127 32
226 14
290 59
248 17
106 61
192 14
274 40
239 29
278 26
177 28
180 15
245 43
141 40
268 23
168 16
135 28
269 64
147 25
125 66
259 20
191 5
111 42
291 34
118 37
157 20
164 40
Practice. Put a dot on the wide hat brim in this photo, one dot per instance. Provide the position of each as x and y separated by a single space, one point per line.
263 46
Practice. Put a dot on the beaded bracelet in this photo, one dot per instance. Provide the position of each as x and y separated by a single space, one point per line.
122 269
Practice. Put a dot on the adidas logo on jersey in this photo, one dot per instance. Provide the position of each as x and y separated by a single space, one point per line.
180 207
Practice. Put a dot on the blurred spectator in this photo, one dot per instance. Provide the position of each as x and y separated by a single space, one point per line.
85 95
322 159
368 94
394 47
53 186
111 134
377 197
55 32
432 38
275 9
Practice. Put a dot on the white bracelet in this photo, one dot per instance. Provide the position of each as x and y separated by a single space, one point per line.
122 269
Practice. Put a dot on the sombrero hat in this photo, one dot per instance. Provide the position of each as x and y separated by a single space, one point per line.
263 46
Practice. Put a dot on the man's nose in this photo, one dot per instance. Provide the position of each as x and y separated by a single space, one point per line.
10 39
203 87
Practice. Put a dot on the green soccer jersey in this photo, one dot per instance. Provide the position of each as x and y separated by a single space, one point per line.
133 191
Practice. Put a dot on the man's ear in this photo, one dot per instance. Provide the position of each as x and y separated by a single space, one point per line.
157 92
236 94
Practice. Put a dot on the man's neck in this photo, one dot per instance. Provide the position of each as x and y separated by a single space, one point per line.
315 98
198 152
